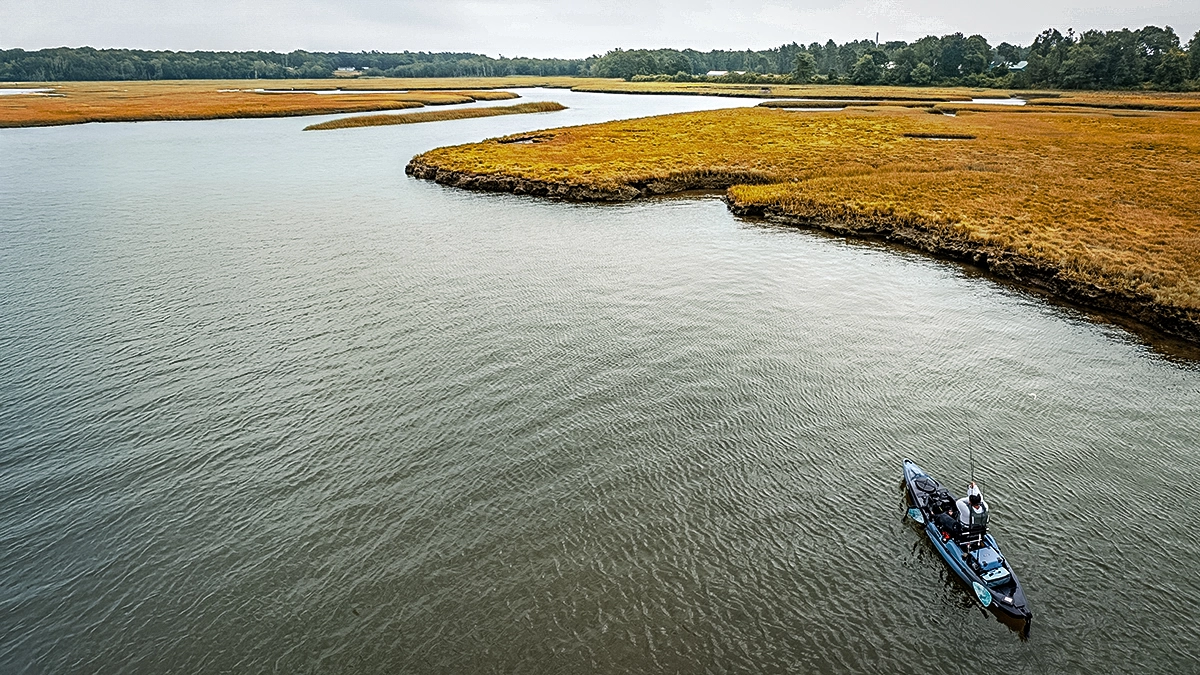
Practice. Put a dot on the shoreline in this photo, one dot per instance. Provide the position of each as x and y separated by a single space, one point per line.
436 116
86 103
581 193
1000 263
192 100
1173 322
201 117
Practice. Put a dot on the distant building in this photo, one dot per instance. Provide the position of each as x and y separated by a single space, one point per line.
720 73
1018 67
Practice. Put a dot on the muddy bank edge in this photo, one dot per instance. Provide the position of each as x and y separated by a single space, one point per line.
1036 274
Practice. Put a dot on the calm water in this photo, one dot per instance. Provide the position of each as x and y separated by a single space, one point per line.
268 405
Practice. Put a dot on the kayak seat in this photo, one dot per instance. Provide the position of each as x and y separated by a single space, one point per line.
971 536
925 484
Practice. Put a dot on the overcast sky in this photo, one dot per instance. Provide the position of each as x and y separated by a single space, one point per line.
551 28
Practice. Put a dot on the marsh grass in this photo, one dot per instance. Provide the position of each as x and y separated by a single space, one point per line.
81 102
846 103
1108 201
78 102
436 116
1141 100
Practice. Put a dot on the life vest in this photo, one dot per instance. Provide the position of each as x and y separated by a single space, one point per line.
978 517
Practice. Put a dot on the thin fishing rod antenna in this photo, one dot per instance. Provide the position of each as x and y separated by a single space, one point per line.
971 450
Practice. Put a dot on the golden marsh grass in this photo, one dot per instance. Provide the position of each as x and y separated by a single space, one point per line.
1141 100
436 116
81 102
1106 200
846 103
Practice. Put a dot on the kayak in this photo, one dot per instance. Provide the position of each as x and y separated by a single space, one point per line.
973 556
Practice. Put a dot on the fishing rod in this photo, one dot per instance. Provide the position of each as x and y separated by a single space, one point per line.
971 450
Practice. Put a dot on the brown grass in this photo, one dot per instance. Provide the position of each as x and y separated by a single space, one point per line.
436 116
487 95
1107 200
858 103
78 102
1141 100
81 102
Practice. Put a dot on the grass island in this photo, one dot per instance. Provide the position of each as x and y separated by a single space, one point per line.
436 116
1092 202
84 102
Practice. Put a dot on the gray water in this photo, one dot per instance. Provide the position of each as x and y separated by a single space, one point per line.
268 405
9 91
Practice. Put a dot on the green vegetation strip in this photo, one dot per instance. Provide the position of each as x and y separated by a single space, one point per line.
436 116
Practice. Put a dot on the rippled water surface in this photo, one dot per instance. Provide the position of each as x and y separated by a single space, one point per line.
268 405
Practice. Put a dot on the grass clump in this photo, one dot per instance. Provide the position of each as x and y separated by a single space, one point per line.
436 116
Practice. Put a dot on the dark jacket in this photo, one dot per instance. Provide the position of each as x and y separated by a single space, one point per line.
948 524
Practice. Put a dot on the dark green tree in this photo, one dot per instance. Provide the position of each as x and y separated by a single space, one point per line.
1078 70
1010 54
1046 55
1194 54
951 52
805 68
1172 69
847 56
977 55
1147 57
677 62
904 60
922 74
1155 43
1119 57
865 71
828 61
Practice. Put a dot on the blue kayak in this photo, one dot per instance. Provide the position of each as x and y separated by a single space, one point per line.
972 555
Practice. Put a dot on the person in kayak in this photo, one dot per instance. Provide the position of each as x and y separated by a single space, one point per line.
972 510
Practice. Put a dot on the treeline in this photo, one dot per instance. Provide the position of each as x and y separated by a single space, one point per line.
85 63
1123 59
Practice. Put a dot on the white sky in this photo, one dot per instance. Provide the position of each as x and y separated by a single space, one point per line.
551 28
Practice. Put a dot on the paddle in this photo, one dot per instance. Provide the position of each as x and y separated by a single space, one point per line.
981 592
